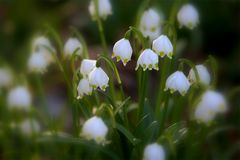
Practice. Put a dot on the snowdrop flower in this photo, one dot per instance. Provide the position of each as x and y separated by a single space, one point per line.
188 16
154 151
122 50
94 128
203 73
5 77
19 98
37 63
84 88
71 45
104 9
177 82
210 104
87 66
150 24
29 127
148 60
163 46
98 78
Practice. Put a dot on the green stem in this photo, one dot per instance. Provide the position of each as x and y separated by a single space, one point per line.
143 90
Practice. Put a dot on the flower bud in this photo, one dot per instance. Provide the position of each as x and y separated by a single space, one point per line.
188 16
98 78
19 98
148 60
210 104
177 82
72 45
94 128
84 88
87 66
37 63
122 50
5 77
104 9
203 73
163 46
154 151
29 127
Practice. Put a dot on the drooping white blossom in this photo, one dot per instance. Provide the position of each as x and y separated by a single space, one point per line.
37 62
98 78
148 60
87 66
203 74
19 98
154 151
122 50
72 45
163 46
6 77
84 88
104 9
95 129
210 105
188 16
177 82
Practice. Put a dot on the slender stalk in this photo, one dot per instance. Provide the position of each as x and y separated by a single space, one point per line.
143 90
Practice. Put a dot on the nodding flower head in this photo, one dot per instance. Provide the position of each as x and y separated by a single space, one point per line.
95 129
177 82
210 105
72 45
154 151
37 63
122 50
87 66
188 16
203 74
104 9
98 78
163 46
84 88
148 60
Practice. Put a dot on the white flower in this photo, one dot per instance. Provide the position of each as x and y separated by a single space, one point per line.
210 104
177 82
104 9
84 88
94 128
163 46
188 16
203 73
148 60
98 78
5 77
19 98
37 62
122 50
71 45
87 66
29 127
154 151
152 34
41 41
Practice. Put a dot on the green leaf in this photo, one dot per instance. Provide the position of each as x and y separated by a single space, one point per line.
121 105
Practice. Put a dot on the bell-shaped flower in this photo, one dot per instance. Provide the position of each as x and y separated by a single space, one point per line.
19 98
154 151
6 77
73 45
188 16
163 46
122 50
148 60
104 9
203 74
87 66
95 129
37 63
177 82
84 88
98 78
210 105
